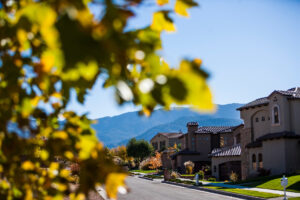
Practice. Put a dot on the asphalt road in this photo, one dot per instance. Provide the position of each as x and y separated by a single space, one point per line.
154 190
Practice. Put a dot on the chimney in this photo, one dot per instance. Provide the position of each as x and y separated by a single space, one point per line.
192 126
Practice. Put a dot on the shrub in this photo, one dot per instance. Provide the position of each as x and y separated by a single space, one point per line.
206 169
234 177
131 164
174 175
189 166
145 164
201 175
118 161
155 161
213 179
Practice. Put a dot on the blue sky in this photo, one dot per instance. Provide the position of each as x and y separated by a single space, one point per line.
250 48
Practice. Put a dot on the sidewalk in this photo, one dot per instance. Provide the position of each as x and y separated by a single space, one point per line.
289 194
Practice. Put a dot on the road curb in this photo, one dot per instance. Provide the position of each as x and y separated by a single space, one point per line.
215 191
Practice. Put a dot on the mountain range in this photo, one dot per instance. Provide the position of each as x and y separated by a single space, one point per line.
117 130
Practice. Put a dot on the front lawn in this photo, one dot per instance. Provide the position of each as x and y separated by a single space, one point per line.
143 171
188 175
238 191
274 183
154 176
245 192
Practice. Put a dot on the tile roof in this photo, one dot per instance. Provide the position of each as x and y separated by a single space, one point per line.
293 93
227 151
278 135
257 102
272 136
171 135
215 129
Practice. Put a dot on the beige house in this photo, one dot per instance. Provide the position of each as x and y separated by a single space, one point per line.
198 143
162 141
269 139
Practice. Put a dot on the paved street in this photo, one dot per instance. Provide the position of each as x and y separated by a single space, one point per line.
154 190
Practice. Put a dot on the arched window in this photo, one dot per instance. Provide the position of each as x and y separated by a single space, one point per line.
276 114
254 161
260 161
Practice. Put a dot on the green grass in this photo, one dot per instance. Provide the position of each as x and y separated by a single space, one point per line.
246 192
189 175
154 176
273 182
295 198
143 171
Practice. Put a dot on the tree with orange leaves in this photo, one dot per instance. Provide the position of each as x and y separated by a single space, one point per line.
155 161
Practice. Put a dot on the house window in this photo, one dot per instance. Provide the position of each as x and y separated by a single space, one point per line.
276 114
254 162
256 119
263 119
260 161
222 141
162 145
238 138
155 146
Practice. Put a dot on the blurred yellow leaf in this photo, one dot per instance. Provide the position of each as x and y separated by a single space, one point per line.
162 2
34 101
29 194
69 155
60 134
27 166
47 60
160 23
22 37
26 107
88 71
86 144
181 7
113 182
44 154
65 173
199 94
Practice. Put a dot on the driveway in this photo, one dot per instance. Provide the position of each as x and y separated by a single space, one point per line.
155 190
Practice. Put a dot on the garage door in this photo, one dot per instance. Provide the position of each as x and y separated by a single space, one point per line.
225 169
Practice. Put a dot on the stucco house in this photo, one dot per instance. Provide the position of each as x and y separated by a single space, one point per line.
198 143
269 139
162 141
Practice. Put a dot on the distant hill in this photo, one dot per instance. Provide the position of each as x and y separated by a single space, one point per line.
116 130
180 125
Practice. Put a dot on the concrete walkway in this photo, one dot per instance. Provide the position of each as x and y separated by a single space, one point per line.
289 194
